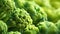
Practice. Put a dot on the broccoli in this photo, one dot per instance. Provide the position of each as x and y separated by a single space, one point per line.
13 32
47 28
29 17
58 25
19 3
6 7
31 29
55 3
53 15
36 12
19 19
3 27
43 3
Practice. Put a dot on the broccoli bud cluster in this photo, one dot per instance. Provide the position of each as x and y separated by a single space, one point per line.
29 17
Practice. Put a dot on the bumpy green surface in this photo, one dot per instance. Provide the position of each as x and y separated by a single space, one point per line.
36 12
47 28
29 16
3 27
31 29
16 32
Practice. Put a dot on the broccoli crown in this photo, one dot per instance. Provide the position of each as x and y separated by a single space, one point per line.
47 28
36 12
22 16
29 17
19 3
58 26
12 32
3 27
6 8
19 19
31 29
6 5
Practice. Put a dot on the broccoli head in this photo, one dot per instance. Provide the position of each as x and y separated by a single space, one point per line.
3 27
58 25
36 12
19 3
31 29
55 3
6 7
53 15
20 19
47 28
13 32
43 3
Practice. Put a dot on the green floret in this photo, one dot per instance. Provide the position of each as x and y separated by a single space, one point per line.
43 3
19 3
47 28
31 29
53 15
6 7
20 19
58 25
22 16
55 3
3 27
13 32
36 12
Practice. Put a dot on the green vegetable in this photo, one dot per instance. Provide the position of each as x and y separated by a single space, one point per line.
55 3
3 27
29 16
16 32
19 19
52 14
6 7
31 29
43 3
58 25
36 12
47 28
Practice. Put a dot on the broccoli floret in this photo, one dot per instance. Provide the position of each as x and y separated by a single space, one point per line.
53 15
36 12
6 5
31 29
55 3
22 16
58 25
19 3
3 27
6 8
13 32
29 17
20 19
47 28
43 3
